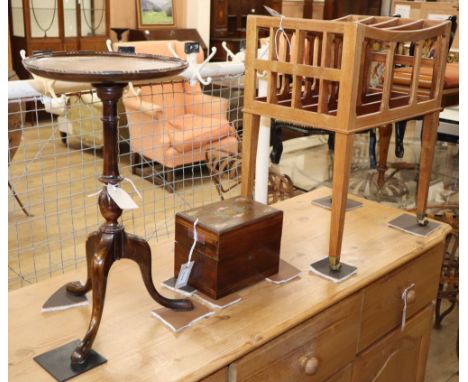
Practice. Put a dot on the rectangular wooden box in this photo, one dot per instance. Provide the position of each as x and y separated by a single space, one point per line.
238 244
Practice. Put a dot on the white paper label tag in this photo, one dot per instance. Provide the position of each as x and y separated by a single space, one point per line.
121 198
184 274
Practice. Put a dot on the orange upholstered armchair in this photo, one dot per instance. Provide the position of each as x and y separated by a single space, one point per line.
174 123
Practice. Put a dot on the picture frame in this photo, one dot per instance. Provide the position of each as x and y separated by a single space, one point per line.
155 13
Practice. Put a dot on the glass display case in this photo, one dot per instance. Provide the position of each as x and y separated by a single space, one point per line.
56 25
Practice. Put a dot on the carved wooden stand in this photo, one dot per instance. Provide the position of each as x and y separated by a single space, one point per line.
109 72
111 242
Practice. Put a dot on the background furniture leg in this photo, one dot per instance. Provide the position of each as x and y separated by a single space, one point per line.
385 134
429 137
341 170
18 199
400 129
372 144
249 153
276 142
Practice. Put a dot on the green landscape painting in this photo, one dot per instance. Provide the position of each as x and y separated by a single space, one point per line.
156 12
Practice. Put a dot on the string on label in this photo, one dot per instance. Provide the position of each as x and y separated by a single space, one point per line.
186 269
404 297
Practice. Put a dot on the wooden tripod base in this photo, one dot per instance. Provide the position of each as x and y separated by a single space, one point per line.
102 249
111 242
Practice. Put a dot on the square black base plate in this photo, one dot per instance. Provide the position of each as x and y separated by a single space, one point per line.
62 299
326 202
322 268
408 223
57 362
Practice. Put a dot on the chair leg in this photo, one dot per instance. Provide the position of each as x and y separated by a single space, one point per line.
372 144
341 172
276 142
249 153
400 129
169 179
429 137
15 195
135 160
385 134
331 141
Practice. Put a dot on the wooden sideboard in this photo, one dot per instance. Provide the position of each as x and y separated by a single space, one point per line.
309 329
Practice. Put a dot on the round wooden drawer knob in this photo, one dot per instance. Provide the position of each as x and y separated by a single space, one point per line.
411 296
310 365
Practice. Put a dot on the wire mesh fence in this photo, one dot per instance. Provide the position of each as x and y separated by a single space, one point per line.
178 144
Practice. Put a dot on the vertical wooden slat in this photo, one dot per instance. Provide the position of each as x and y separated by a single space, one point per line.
297 58
363 73
415 78
324 91
388 76
440 62
272 77
250 56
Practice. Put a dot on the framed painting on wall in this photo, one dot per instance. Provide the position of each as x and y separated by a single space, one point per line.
155 13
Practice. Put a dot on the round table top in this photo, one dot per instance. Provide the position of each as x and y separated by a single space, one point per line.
86 66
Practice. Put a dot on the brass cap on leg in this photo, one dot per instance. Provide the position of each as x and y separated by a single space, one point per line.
421 218
334 263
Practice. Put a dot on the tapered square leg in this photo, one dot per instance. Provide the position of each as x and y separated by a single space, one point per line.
341 171
251 126
429 138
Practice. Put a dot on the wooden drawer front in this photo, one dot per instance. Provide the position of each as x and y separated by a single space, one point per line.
400 356
344 375
313 351
383 304
219 376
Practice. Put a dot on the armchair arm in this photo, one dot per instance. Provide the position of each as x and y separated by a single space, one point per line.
206 105
136 104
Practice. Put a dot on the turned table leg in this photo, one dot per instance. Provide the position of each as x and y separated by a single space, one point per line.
428 141
138 250
111 243
101 264
341 171
251 128
91 245
385 134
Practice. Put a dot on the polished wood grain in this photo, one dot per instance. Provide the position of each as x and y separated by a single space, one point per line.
147 351
238 245
111 67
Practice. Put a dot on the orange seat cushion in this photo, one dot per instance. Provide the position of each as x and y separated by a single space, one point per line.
191 131
402 76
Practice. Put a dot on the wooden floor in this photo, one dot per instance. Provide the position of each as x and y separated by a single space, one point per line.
53 181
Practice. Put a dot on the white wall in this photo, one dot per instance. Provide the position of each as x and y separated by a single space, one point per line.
198 17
